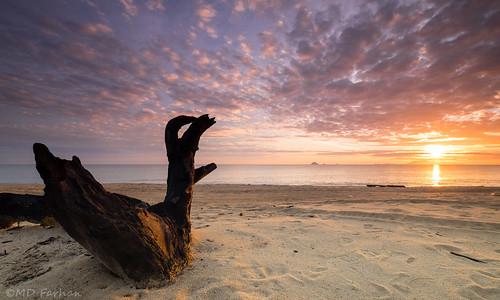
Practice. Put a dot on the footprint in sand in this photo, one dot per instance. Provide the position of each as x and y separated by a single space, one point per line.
380 290
492 273
402 288
352 257
345 241
397 257
447 248
274 274
218 292
276 269
474 291
410 260
484 280
256 271
368 254
400 282
319 269
419 282
317 272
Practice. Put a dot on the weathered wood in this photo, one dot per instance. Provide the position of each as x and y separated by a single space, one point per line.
26 207
468 257
181 172
386 185
16 208
147 245
201 172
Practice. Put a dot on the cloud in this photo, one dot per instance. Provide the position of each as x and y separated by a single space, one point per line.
383 70
145 114
206 12
97 28
492 133
393 73
269 44
155 5
239 6
245 47
210 30
131 9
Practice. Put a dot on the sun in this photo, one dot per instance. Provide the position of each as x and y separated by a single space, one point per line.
435 151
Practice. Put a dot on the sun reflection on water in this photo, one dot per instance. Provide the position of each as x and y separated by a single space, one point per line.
436 175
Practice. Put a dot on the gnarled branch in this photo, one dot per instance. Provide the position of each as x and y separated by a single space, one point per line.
145 244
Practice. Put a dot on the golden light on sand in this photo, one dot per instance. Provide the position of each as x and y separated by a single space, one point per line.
435 151
436 175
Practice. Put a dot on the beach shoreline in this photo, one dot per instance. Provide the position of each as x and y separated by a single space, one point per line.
290 242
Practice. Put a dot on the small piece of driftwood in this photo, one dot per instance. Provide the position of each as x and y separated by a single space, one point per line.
386 185
468 257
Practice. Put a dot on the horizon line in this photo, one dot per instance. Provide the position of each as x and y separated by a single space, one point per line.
247 164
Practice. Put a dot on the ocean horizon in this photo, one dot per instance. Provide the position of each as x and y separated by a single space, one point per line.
321 174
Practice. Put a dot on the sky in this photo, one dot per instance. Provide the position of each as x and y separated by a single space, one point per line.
289 82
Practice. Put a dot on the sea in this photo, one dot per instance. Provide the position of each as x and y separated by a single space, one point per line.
323 175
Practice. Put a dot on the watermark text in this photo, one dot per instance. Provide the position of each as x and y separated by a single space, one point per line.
44 293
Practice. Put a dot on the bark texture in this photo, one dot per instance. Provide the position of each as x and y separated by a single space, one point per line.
17 208
147 245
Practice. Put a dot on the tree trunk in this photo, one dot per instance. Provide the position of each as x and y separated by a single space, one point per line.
147 245
17 208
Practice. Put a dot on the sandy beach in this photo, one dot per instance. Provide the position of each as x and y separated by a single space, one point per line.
288 242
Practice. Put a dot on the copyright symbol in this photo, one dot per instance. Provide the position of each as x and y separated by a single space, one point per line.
10 293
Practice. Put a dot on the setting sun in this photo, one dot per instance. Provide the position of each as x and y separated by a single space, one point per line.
435 151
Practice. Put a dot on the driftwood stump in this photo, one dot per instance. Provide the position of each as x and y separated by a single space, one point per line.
16 208
147 245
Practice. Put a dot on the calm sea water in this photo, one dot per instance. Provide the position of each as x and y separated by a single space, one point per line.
410 175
